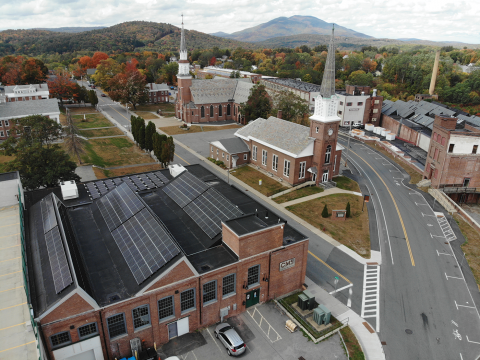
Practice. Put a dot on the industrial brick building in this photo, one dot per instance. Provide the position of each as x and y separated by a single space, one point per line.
357 106
149 257
453 158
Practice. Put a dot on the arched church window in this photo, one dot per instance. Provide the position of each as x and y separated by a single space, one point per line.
228 110
202 112
211 110
328 154
220 110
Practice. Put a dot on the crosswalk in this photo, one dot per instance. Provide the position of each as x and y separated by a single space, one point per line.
446 228
371 293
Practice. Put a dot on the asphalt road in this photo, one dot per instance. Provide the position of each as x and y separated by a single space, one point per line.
427 308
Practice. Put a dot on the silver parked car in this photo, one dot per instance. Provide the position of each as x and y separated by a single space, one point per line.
230 339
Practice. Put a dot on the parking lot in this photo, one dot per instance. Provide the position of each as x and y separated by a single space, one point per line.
263 329
199 142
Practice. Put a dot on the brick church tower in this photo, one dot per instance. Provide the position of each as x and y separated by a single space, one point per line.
325 122
184 80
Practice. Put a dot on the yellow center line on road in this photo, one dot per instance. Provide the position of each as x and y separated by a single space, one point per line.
324 263
18 287
9 225
31 342
396 207
18 257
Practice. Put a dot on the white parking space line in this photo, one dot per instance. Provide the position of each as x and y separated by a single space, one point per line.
470 307
439 253
271 333
432 236
371 293
214 340
186 356
428 215
453 277
420 204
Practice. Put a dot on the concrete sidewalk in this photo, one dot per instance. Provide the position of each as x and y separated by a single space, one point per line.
369 341
323 193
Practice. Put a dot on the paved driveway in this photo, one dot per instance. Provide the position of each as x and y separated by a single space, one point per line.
263 330
200 141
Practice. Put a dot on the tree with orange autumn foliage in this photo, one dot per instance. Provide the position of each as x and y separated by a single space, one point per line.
129 87
62 88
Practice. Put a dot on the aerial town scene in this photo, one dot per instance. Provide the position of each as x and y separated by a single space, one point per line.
197 180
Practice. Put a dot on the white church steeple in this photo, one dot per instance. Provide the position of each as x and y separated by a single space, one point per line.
326 104
183 64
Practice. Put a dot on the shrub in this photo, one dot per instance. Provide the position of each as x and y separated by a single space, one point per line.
325 212
348 210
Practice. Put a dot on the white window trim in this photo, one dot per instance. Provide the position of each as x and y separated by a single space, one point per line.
264 157
275 162
245 156
301 174
254 152
286 168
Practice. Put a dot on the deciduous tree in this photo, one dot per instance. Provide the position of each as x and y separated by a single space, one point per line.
129 88
293 107
257 105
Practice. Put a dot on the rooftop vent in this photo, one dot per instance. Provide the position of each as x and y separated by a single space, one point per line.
176 169
69 190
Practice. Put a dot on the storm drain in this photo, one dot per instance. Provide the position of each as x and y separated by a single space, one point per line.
408 331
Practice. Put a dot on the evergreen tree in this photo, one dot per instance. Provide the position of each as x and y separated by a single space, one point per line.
325 212
348 210
92 97
149 132
141 133
168 151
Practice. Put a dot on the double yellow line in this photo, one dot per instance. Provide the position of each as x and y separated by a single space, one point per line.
396 207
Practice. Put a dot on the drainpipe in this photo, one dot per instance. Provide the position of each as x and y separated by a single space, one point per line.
103 333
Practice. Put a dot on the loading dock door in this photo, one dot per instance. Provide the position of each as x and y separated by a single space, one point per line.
87 355
172 330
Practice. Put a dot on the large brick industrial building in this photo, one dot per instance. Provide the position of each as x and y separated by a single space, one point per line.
151 257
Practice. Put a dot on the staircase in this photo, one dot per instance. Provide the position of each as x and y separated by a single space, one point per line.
328 185
442 200
424 183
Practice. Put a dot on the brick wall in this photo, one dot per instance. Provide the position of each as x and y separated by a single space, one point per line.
75 305
221 155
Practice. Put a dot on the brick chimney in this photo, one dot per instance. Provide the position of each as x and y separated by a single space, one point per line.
445 122
279 114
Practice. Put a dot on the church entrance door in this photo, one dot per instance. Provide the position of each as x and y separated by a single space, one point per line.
325 176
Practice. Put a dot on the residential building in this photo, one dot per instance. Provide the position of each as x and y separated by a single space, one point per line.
158 93
10 112
200 101
144 258
27 92
292 152
453 158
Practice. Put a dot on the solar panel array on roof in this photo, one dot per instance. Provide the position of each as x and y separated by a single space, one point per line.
210 209
138 182
48 214
118 206
58 260
185 188
144 243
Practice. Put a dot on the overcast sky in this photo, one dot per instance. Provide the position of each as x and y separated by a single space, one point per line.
444 20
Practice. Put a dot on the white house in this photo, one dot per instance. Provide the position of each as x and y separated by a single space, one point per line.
27 92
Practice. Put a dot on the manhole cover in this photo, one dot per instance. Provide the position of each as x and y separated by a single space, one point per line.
408 331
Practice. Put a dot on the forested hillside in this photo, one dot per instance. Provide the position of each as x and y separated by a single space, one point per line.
125 37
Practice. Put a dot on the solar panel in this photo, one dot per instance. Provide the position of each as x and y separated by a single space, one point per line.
48 214
162 177
117 181
119 205
144 245
110 184
185 188
210 209
130 183
58 260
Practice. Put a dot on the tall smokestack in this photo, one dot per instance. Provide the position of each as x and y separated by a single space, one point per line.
434 73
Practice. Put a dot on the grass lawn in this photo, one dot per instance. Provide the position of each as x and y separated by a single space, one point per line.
353 347
3 160
147 115
353 233
471 247
80 110
114 152
309 190
175 130
102 174
251 176
415 176
92 121
101 132
345 183
169 107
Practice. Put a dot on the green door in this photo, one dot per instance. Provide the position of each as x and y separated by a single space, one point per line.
253 298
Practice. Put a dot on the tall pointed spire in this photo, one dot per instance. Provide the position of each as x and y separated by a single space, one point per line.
182 40
328 83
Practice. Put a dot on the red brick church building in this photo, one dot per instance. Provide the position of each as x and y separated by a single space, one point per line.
202 101
289 151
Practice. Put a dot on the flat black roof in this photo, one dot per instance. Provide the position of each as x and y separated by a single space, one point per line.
95 259
9 176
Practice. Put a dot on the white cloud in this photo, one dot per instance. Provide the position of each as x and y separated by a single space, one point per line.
432 20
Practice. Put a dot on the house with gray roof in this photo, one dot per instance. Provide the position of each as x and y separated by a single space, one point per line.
158 93
10 111
27 92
